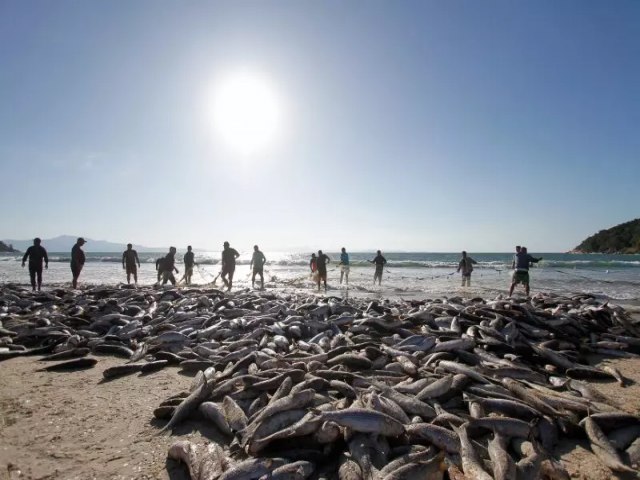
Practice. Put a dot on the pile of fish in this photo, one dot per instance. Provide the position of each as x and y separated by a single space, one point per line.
309 387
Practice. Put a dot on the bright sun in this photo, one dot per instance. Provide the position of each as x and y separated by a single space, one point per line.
246 113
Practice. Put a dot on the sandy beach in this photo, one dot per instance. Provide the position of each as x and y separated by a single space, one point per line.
75 425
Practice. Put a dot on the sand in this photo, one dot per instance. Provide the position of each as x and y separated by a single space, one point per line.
74 426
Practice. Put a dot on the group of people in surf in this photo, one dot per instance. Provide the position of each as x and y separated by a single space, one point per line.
522 260
166 266
318 266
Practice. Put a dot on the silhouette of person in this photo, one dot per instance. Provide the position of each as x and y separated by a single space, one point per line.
36 255
169 266
189 263
344 266
521 263
321 262
257 261
380 262
466 265
229 256
129 260
77 260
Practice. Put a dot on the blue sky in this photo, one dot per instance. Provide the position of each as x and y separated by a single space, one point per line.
427 125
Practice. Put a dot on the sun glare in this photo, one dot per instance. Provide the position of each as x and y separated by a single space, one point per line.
246 113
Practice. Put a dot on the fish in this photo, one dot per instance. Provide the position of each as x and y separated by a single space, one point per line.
603 449
350 385
78 364
364 420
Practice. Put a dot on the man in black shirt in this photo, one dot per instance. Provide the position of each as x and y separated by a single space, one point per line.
189 263
129 260
36 254
257 262
77 261
229 256
168 266
380 262
321 262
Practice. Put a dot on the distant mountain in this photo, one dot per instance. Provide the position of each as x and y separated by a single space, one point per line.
4 248
623 238
63 243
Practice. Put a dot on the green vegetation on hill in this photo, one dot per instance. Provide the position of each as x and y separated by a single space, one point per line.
6 248
623 238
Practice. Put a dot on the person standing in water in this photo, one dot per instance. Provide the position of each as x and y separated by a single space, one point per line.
466 265
344 266
229 256
189 263
257 262
129 260
159 268
168 266
521 263
77 260
313 265
321 262
36 254
380 262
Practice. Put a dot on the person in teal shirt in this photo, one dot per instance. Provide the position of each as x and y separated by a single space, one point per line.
344 266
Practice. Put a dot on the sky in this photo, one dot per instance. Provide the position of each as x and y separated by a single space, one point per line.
401 125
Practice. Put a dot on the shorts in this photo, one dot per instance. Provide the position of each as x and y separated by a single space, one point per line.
258 271
322 275
378 271
132 269
188 271
228 270
521 277
344 268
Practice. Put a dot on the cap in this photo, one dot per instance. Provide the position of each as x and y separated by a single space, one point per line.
80 239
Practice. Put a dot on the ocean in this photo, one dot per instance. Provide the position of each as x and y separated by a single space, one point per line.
407 275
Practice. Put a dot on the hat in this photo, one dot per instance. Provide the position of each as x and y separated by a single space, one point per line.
80 239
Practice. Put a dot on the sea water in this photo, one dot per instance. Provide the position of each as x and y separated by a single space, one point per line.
406 275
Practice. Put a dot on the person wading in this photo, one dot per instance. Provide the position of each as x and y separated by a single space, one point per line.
521 263
229 256
77 261
466 266
36 255
168 266
257 262
379 262
189 263
129 261
344 266
321 262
